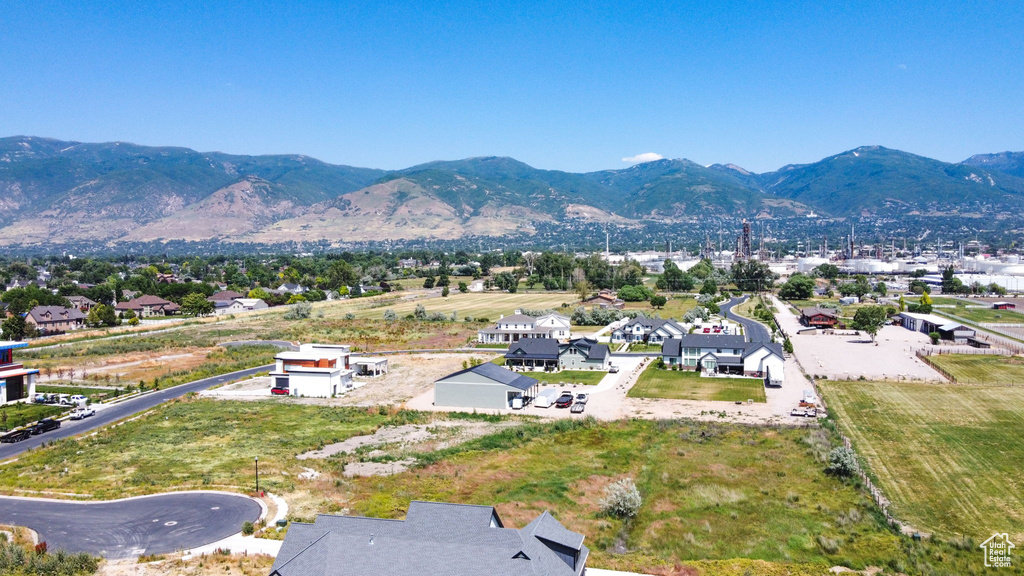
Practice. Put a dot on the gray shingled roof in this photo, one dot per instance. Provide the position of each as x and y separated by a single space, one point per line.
518 319
435 539
712 341
672 347
591 348
500 375
773 346
537 348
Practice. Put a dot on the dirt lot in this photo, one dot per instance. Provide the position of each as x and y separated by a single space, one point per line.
409 376
845 357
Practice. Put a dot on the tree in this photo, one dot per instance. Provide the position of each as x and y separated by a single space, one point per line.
658 301
950 283
925 306
428 282
13 328
340 273
751 275
935 336
903 304
102 315
674 279
702 270
787 346
881 289
798 287
442 280
506 281
463 288
870 319
709 287
827 271
296 298
258 293
196 304
445 292
635 293
997 289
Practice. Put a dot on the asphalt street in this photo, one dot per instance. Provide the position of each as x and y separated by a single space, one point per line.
756 332
110 414
128 528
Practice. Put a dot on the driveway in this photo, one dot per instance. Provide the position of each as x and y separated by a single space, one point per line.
107 414
127 528
755 331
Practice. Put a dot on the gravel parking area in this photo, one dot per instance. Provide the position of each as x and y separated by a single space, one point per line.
850 357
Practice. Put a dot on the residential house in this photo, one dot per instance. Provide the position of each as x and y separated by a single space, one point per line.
605 299
246 305
129 294
484 386
408 263
815 317
435 539
314 370
16 283
162 278
148 305
55 319
647 331
947 329
726 354
533 354
16 382
81 302
226 296
290 288
583 354
512 328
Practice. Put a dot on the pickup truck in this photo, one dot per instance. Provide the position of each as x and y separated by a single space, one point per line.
82 412
16 436
44 425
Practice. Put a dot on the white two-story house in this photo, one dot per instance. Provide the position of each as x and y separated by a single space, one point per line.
516 326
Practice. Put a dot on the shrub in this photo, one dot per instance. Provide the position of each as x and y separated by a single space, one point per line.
390 315
350 316
248 528
622 499
299 311
935 336
842 462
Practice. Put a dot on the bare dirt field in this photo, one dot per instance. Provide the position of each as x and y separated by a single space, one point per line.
850 357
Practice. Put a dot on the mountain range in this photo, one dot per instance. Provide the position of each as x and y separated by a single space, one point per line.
54 192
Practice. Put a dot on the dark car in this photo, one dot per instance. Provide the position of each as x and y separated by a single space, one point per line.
564 401
45 425
279 391
16 436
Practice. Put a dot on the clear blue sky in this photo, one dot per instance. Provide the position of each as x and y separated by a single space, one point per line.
565 85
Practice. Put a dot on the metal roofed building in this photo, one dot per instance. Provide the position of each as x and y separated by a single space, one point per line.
483 386
435 539
16 382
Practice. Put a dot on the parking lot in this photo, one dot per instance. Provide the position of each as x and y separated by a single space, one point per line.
845 356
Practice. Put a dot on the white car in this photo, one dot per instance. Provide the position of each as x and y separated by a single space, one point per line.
83 412
79 399
582 398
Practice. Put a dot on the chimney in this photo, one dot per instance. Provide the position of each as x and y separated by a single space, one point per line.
371 539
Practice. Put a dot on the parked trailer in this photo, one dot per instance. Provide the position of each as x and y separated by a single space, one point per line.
546 398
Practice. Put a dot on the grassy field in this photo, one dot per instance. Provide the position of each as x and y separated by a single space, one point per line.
488 305
585 377
712 492
22 413
689 385
947 456
981 369
676 307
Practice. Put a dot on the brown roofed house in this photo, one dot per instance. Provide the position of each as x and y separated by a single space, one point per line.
818 317
148 305
55 319
226 296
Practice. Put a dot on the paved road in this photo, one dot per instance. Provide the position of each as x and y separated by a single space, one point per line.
106 415
128 528
756 332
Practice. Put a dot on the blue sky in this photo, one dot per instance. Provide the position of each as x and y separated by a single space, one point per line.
564 85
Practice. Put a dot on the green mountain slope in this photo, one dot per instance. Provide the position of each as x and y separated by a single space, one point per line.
1007 162
877 180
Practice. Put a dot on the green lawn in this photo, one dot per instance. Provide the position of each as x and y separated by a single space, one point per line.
22 413
983 315
585 377
676 307
981 369
641 347
948 456
690 385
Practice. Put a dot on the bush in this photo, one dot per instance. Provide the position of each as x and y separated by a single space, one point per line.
842 462
248 528
935 336
622 499
390 316
299 311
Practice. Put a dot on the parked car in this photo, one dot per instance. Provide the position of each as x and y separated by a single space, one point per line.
582 398
613 369
82 412
564 401
64 399
39 399
16 436
44 425
79 399
578 408
279 391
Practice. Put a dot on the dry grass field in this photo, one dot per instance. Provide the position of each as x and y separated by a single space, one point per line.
948 456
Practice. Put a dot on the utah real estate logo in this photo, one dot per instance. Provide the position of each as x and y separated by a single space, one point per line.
997 550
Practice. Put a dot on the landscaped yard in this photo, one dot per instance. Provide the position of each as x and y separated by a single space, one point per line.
585 377
982 315
23 413
676 307
490 305
641 347
982 368
948 456
690 385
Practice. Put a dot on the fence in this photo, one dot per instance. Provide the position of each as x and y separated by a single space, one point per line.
925 356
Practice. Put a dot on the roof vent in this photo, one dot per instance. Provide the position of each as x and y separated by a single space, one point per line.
521 555
371 539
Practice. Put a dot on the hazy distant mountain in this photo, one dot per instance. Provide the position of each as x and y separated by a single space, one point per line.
53 192
1008 162
877 180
